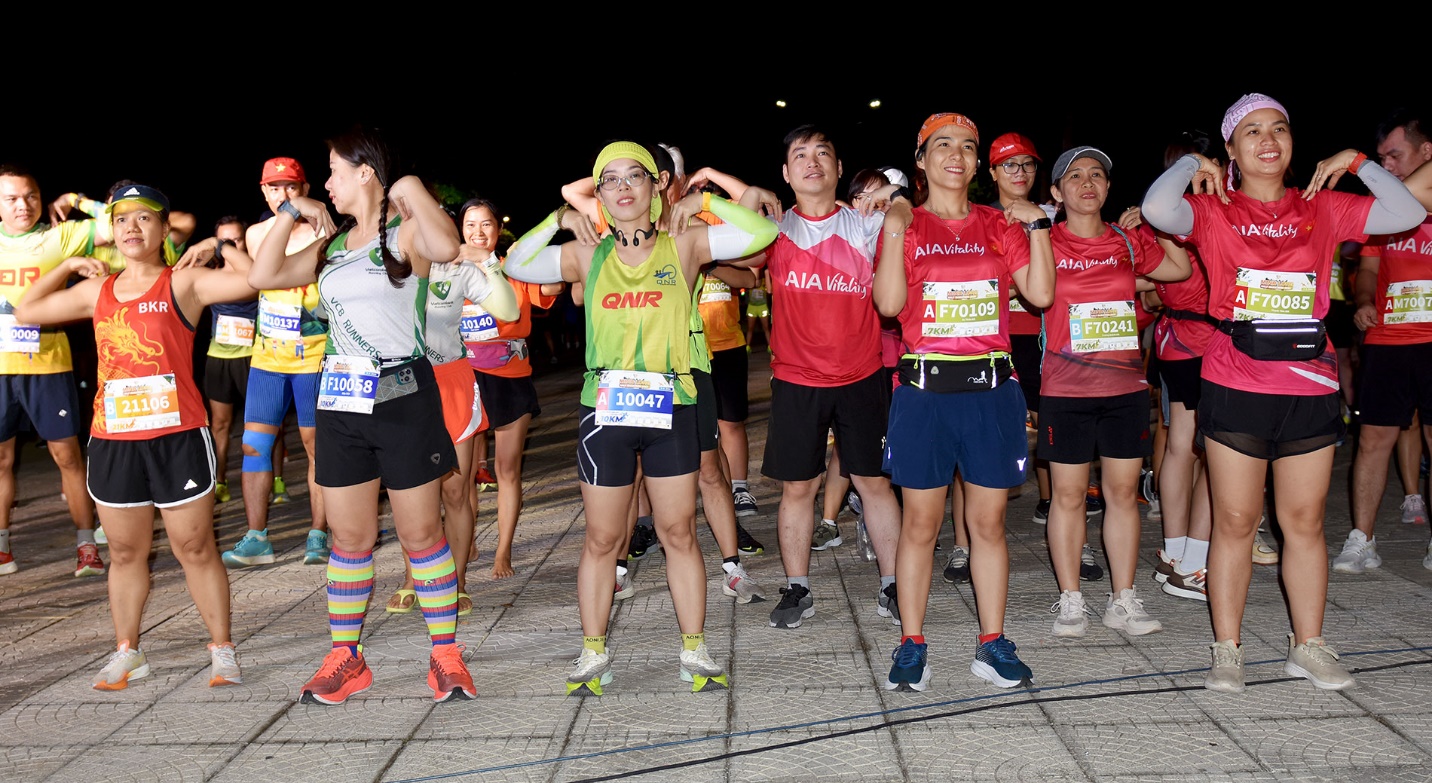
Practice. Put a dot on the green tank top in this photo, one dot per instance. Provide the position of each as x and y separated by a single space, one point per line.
700 350
638 318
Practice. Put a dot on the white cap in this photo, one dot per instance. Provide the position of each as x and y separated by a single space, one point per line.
896 176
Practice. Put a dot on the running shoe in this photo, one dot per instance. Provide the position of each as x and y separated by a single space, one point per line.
703 673
741 586
1155 510
253 549
280 491
643 539
887 604
343 673
1226 674
223 665
796 605
1167 565
1148 491
1264 553
1041 513
826 536
1193 585
315 549
221 492
1359 553
745 502
957 570
8 564
1316 662
1414 510
996 663
1126 613
624 588
448 675
911 669
125 663
484 480
591 671
1089 569
747 543
99 535
1093 502
87 562
1073 620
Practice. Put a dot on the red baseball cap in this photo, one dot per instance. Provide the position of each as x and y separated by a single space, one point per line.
283 170
1009 145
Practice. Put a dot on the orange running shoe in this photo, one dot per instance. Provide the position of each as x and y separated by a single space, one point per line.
448 675
343 673
484 480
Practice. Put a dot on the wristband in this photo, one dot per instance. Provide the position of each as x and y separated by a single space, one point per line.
705 201
219 249
561 212
1356 163
290 210
898 193
1043 223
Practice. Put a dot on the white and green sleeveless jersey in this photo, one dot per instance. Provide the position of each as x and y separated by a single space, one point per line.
367 315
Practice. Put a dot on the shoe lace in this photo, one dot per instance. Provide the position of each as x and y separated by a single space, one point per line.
448 657
121 655
89 551
225 656
1131 604
332 662
1069 605
1086 555
907 654
1352 547
1225 655
738 574
790 597
1320 651
1001 649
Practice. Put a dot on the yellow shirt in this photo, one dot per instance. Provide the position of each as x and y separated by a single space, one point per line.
23 260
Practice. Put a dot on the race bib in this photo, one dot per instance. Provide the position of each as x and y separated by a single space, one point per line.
135 404
1103 326
17 337
715 291
1408 302
627 398
968 309
349 384
278 321
234 330
477 324
1263 295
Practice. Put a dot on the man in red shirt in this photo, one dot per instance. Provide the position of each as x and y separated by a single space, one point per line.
1393 294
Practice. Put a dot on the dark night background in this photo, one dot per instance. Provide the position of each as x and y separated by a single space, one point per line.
522 142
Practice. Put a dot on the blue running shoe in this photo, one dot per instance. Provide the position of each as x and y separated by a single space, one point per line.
910 672
996 663
315 550
253 549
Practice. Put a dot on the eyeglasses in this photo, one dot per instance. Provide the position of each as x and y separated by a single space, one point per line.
1029 166
634 180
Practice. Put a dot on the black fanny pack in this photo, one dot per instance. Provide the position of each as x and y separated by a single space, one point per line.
951 375
1188 315
1277 340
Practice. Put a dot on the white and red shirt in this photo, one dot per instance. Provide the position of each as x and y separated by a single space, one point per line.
1180 338
1403 299
824 331
1272 260
958 275
1091 331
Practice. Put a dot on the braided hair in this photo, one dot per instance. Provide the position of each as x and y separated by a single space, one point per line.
359 146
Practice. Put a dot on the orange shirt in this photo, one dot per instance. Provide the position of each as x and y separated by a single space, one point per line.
496 356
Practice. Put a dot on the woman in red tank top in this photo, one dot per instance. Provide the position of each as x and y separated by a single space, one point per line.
149 444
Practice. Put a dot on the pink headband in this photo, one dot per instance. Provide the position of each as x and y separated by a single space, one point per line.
1246 105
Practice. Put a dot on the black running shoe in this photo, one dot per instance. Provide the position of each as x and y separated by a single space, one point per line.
746 542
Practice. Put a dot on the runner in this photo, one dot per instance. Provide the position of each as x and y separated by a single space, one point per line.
639 398
149 441
377 399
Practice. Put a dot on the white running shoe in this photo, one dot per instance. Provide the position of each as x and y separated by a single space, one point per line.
1359 553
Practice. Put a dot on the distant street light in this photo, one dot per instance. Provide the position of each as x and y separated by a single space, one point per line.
875 104
780 104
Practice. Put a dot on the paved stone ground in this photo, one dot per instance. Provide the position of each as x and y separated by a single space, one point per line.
805 705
